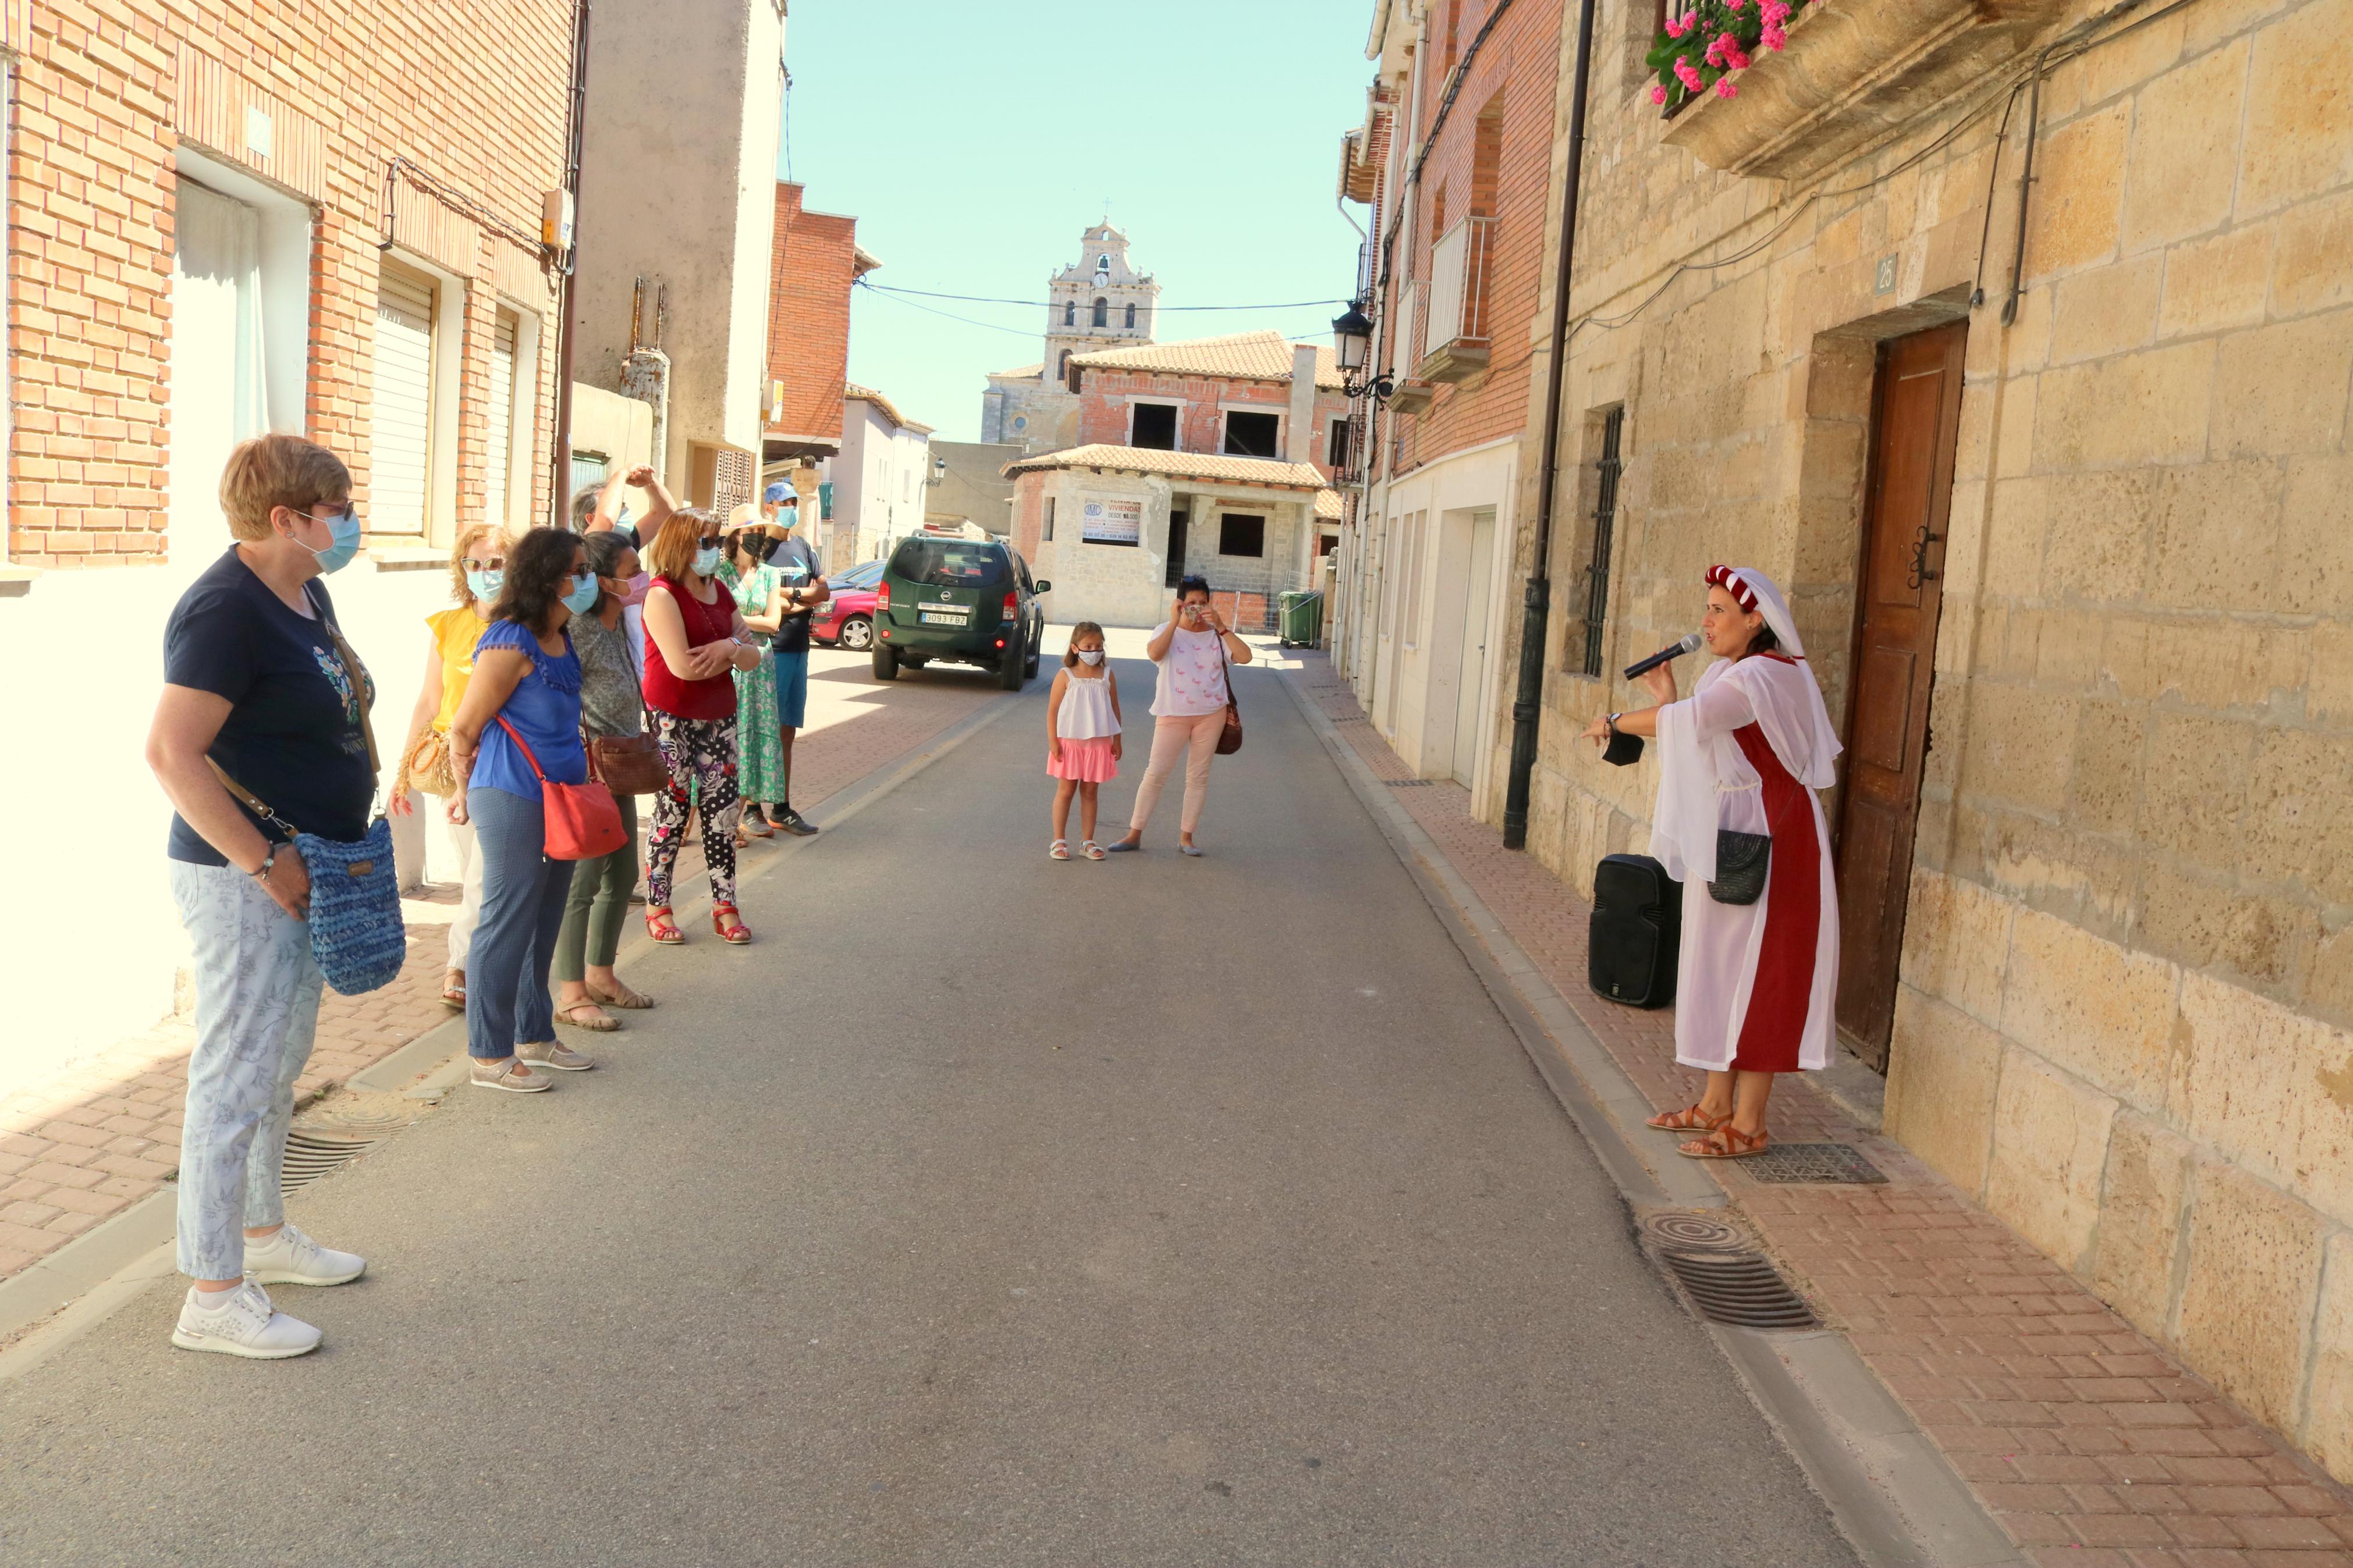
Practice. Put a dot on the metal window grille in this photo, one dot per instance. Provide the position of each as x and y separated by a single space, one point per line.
1605 522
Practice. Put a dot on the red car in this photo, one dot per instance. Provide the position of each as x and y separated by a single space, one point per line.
846 619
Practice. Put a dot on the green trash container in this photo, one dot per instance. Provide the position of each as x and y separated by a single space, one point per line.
1301 619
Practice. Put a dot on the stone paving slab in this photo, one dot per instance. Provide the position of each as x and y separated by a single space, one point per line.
85 1146
2088 1443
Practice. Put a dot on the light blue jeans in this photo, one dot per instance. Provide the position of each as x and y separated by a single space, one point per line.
523 892
257 1012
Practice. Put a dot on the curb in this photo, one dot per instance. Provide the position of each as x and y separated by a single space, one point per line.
1889 1489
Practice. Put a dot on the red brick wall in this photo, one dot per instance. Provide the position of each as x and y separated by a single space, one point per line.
809 314
1520 62
105 89
1103 407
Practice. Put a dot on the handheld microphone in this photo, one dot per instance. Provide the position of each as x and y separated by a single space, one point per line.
1690 644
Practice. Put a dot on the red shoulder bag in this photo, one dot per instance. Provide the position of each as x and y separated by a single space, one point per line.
583 821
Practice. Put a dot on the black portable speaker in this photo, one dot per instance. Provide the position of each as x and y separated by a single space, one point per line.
1638 919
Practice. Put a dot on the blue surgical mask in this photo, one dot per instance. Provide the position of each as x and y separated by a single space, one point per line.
485 585
344 526
706 562
583 598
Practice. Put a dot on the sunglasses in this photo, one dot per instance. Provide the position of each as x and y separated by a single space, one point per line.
711 540
495 564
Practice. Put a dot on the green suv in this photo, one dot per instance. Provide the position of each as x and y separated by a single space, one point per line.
961 600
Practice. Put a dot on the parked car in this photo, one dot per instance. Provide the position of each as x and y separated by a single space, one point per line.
965 601
847 618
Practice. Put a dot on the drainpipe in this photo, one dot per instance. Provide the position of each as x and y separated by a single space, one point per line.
560 487
1529 699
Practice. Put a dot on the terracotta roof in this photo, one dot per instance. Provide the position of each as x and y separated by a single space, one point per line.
1023 372
890 410
1327 506
1250 356
1175 465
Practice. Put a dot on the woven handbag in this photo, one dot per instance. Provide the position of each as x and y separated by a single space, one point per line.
429 766
1741 860
582 821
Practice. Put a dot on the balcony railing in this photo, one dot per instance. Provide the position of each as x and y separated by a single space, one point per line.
1455 345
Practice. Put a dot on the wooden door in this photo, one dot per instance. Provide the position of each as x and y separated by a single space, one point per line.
1472 681
1177 522
1915 421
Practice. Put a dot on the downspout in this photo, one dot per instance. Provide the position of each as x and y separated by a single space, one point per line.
1529 699
560 485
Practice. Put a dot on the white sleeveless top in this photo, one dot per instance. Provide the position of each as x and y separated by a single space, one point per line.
1085 713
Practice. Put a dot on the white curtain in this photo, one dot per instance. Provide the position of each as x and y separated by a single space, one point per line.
219 395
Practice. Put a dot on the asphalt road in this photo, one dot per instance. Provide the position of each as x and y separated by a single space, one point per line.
990 1210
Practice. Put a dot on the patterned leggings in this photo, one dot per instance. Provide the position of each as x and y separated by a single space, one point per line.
701 750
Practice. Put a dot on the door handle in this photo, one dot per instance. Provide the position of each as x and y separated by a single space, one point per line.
1920 573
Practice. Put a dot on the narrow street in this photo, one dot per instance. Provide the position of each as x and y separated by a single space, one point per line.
986 1210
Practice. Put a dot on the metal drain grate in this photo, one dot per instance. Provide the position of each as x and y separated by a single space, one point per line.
1680 1230
1840 1162
310 1156
1353 718
1740 1289
1408 783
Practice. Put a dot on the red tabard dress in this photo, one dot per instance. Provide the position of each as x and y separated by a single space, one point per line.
713 698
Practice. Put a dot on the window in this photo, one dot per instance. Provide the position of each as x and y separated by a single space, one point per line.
1102 311
1151 424
1253 435
1238 536
1070 313
1605 522
1103 262
1178 520
499 429
1131 314
1061 372
1048 535
400 446
1336 445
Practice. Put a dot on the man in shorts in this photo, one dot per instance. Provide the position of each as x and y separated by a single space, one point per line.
796 562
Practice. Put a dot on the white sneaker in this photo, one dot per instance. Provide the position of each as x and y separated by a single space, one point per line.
290 1257
246 1324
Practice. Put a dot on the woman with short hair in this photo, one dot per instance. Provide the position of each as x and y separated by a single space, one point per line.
477 561
694 643
260 688
1743 756
519 723
1193 648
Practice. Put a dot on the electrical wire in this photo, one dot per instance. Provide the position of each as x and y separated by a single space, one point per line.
948 315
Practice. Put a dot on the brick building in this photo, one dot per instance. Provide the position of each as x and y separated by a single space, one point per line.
1454 158
2055 473
817 262
199 249
1211 458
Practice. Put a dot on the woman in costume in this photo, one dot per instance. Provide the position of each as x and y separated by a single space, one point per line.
1757 982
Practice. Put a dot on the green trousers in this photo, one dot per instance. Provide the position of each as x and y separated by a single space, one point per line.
599 904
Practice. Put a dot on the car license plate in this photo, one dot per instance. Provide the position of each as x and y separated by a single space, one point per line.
946 615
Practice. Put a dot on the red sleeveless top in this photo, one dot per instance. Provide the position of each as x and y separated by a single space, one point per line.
714 697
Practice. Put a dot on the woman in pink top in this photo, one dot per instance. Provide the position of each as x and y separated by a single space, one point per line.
1192 649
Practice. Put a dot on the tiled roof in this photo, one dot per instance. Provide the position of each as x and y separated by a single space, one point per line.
1023 372
1327 506
1175 465
1250 356
890 410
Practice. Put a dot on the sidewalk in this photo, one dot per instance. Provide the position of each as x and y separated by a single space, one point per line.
2090 1445
83 1147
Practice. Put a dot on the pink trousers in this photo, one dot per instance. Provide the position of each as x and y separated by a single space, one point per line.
1197 739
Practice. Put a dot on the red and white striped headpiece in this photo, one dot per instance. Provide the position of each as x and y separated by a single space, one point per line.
1729 579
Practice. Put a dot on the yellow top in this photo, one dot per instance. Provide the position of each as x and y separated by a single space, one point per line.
455 633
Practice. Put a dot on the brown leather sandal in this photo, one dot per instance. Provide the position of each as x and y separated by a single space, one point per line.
1690 1120
1726 1142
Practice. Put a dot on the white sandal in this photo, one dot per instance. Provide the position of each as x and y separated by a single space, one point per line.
1091 850
1059 850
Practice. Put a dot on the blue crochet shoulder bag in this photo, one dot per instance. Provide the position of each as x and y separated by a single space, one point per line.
356 934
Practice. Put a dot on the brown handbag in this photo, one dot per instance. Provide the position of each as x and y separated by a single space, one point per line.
428 765
628 764
1230 739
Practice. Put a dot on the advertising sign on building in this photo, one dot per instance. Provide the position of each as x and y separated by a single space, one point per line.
1111 522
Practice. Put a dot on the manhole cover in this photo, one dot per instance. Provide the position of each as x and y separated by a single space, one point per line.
1408 783
1690 1232
1740 1289
1813 1162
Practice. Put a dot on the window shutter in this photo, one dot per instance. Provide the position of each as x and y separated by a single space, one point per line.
499 439
400 442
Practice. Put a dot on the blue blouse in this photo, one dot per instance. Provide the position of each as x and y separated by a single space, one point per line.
545 706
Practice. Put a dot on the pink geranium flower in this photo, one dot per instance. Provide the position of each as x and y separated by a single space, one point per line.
1658 94
1724 89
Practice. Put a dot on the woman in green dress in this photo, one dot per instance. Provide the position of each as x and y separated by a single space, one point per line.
760 754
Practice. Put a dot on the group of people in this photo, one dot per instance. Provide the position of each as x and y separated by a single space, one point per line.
607 655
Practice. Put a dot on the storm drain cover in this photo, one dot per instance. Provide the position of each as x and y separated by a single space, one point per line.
1353 718
310 1155
1740 1289
1680 1230
1814 1162
1409 784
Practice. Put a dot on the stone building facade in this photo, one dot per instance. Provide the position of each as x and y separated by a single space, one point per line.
2057 484
1097 301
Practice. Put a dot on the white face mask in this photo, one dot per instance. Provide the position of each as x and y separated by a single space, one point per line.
1091 656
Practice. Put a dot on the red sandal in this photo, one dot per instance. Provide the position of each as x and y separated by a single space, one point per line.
662 928
1691 1119
725 921
1726 1142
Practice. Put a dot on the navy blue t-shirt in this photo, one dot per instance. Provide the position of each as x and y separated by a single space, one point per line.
294 734
796 562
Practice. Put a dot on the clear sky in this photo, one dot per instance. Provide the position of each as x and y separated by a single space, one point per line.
974 140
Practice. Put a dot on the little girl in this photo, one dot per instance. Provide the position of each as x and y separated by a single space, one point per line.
1083 745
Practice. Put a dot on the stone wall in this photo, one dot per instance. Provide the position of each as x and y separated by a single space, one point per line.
2127 984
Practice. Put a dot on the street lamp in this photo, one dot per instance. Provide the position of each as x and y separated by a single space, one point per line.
939 470
1351 340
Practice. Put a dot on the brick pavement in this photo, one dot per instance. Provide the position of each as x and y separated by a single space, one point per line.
83 1147
2089 1444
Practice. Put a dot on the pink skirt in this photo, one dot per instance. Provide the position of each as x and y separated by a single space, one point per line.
1088 760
